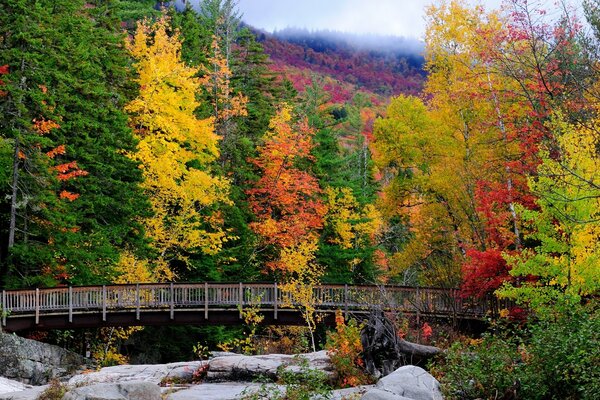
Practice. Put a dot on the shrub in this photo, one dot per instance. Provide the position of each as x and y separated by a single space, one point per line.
344 348
554 358
55 391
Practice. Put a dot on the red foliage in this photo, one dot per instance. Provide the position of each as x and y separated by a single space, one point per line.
484 272
361 68
3 71
426 331
286 198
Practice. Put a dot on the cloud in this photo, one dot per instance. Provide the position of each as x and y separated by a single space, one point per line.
403 18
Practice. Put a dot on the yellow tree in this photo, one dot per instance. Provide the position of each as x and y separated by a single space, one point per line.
175 149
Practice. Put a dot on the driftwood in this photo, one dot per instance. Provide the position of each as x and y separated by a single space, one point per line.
384 351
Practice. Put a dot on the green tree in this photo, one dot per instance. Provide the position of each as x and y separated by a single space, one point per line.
67 64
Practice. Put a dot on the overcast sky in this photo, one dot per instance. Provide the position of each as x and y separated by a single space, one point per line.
387 17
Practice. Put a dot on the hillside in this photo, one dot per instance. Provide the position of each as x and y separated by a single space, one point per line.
383 65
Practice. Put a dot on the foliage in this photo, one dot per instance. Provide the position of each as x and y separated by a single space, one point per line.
67 64
175 149
563 266
344 347
553 359
55 391
252 318
105 349
302 275
285 200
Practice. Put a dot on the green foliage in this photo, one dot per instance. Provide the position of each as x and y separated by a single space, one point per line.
67 64
553 359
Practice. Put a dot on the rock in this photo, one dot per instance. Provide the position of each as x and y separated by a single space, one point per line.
350 393
116 391
215 391
181 371
27 394
408 382
240 367
34 362
7 386
378 394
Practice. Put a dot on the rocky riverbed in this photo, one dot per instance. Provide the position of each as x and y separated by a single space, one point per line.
226 376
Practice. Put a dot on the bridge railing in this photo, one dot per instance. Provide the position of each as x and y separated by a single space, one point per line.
174 296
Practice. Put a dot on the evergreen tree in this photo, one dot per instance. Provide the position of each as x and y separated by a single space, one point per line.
67 65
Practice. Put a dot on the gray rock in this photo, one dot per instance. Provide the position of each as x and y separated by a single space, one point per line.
353 393
182 371
7 386
240 367
378 394
116 391
27 394
408 382
215 391
33 362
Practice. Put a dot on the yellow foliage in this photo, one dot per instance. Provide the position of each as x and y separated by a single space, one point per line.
175 148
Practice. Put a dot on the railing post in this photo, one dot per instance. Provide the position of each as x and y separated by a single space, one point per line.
4 309
205 300
346 301
172 316
37 306
418 306
275 301
103 302
70 304
137 301
241 294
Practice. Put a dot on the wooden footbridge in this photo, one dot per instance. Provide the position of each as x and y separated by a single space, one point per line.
217 304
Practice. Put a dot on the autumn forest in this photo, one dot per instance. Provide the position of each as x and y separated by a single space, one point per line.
146 144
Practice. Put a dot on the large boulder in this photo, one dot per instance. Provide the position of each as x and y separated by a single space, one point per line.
240 367
116 391
406 383
35 363
181 371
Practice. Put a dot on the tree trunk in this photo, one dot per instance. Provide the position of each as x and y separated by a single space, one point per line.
384 351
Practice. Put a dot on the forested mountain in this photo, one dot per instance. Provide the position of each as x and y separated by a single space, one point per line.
383 65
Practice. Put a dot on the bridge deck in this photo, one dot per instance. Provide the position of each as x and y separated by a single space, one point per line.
192 303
